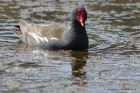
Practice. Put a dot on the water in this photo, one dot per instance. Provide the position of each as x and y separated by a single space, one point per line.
111 64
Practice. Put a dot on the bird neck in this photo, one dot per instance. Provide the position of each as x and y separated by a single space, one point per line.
76 26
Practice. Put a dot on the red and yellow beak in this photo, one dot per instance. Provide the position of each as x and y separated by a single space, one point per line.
81 19
80 15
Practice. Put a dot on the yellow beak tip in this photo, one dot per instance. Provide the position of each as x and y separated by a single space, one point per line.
82 24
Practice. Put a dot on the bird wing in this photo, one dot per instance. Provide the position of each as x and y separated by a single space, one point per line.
52 30
32 34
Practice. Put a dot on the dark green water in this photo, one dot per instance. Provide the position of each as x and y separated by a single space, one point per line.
111 64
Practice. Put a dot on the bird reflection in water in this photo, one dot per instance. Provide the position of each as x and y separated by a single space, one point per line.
78 63
78 66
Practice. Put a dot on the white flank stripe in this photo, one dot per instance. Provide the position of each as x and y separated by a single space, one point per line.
41 39
53 38
46 39
36 37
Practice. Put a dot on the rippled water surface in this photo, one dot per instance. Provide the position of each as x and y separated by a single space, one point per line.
111 64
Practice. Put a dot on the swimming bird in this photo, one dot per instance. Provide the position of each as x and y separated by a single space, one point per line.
55 36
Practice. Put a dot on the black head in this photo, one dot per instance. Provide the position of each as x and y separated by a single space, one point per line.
79 15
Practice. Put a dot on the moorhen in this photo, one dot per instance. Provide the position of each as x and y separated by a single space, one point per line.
54 36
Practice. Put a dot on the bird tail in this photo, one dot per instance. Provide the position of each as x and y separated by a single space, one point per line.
17 30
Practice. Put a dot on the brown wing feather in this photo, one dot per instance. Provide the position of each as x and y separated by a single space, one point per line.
52 30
